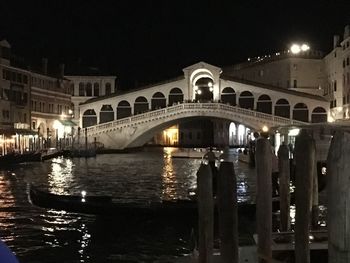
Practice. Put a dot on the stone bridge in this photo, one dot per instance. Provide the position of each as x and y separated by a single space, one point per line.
135 131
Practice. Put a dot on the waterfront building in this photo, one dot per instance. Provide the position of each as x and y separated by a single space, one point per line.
300 71
15 112
51 108
303 69
35 106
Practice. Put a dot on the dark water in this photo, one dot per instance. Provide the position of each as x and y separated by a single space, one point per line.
43 235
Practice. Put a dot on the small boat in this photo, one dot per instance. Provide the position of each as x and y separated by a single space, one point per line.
15 158
78 153
104 205
244 158
196 153
50 153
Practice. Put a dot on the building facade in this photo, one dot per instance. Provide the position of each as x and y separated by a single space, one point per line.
34 107
51 110
302 71
308 71
15 111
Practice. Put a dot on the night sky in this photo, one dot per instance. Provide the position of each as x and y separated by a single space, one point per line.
149 41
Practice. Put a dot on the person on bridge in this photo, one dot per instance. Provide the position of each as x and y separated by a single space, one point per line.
210 156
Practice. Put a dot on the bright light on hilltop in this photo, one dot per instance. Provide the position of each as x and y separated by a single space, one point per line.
296 48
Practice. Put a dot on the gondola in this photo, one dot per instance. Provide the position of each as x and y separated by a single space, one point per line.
104 205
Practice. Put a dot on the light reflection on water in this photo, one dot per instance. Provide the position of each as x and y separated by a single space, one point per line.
36 234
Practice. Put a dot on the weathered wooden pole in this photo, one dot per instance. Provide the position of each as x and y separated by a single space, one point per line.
227 210
86 140
314 208
205 214
305 160
264 198
338 185
284 179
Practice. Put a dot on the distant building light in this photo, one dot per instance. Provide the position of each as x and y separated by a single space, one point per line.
199 92
248 59
295 49
293 132
304 47
210 84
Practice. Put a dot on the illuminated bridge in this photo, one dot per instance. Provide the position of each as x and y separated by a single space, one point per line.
132 118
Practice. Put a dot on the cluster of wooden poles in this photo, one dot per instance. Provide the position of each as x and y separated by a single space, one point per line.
306 201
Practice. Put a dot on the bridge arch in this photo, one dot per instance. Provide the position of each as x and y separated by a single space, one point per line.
282 108
204 89
175 96
319 114
123 109
264 104
158 101
141 105
246 100
89 118
106 113
228 96
301 112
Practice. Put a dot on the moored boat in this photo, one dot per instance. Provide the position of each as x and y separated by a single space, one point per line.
196 153
104 205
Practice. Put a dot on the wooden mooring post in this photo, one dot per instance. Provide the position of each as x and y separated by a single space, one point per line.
227 210
284 191
305 164
264 199
314 205
338 185
205 214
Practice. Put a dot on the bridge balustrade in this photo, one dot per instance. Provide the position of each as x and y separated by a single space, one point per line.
189 106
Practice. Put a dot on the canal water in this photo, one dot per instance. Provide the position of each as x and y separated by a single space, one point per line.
43 235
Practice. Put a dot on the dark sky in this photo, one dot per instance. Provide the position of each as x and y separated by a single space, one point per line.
149 41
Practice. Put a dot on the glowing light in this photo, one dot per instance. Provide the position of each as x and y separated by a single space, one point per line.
210 84
83 193
211 89
293 132
295 49
265 128
199 92
70 111
304 47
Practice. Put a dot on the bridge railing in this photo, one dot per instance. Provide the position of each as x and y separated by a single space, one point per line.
192 106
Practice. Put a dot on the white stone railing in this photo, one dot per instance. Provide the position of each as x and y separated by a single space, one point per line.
186 108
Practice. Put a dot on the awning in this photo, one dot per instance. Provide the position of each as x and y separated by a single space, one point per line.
12 131
68 123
